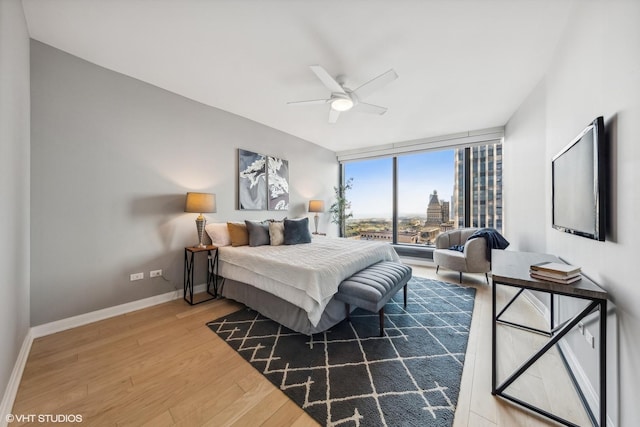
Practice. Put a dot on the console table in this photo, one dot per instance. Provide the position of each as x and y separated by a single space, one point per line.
511 268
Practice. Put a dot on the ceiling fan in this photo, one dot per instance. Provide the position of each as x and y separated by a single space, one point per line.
344 99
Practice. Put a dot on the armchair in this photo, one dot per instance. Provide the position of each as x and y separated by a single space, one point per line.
472 260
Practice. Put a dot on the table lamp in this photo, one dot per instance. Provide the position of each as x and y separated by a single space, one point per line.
316 206
200 203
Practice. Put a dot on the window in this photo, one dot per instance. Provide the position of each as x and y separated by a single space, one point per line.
371 199
411 198
425 193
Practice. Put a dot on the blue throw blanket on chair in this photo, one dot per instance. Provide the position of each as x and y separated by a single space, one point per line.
493 238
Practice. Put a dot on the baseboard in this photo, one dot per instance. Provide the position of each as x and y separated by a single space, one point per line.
14 381
73 322
94 316
538 305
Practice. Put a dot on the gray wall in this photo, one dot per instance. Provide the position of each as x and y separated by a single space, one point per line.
594 72
112 160
14 185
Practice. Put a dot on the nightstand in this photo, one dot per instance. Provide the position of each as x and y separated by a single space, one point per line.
212 272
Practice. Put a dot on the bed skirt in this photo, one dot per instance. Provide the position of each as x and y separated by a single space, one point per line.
283 311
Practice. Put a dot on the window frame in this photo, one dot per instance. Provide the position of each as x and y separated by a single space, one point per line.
423 251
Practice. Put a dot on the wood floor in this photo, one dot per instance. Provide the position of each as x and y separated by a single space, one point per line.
162 366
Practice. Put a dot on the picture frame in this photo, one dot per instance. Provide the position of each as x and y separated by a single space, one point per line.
252 180
263 182
278 184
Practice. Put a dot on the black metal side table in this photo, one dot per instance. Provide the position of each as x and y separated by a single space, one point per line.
212 272
512 269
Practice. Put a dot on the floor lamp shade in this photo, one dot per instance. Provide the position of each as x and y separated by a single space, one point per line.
200 203
316 206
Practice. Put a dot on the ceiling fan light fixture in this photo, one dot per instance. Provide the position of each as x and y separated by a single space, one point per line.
342 104
343 99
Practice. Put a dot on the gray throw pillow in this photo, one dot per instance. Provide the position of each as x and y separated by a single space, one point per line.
296 231
258 232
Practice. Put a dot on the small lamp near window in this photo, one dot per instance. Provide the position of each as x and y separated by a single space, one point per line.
200 203
316 206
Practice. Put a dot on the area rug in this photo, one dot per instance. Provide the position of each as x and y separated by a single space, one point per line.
349 376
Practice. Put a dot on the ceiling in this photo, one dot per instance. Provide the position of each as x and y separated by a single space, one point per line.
462 65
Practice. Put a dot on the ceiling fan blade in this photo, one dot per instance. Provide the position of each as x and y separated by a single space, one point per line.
369 108
326 79
377 83
311 102
333 115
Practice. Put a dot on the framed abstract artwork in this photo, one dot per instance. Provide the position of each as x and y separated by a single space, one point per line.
263 182
252 180
278 184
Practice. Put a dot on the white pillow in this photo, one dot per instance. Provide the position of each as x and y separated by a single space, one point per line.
219 233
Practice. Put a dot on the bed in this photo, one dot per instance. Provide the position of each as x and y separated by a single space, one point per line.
295 284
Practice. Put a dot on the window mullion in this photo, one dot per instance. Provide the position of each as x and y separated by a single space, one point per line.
468 184
394 219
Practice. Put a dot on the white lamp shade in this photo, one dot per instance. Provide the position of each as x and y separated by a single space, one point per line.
316 205
200 203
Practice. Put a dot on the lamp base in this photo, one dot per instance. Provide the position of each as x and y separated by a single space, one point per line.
201 222
315 220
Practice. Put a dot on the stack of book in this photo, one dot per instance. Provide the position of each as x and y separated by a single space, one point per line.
555 272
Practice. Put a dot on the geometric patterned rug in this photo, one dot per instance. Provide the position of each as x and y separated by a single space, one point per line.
349 376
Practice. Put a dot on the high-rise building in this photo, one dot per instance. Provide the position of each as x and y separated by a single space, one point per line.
486 193
437 210
438 219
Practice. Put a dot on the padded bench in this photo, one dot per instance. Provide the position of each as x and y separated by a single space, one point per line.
372 287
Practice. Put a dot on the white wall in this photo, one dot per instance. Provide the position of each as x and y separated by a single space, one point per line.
524 175
112 160
14 186
595 71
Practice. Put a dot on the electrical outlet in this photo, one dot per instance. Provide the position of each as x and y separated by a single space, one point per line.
590 339
581 328
155 273
136 276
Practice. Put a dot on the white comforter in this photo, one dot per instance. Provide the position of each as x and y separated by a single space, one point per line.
306 275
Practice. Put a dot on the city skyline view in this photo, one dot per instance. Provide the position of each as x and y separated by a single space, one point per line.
418 176
430 195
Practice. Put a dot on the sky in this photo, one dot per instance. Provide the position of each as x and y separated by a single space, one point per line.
418 176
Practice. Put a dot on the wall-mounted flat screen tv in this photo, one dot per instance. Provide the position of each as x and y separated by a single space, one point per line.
579 177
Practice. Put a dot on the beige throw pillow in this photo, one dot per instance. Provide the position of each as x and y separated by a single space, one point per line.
276 233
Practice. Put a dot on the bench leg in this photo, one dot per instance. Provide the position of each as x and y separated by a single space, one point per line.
381 312
461 277
348 311
405 296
